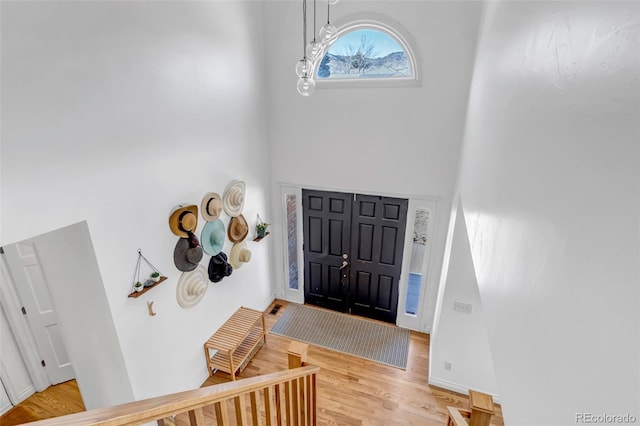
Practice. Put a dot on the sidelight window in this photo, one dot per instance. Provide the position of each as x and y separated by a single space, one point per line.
292 240
416 265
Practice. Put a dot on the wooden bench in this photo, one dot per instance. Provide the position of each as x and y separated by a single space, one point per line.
235 343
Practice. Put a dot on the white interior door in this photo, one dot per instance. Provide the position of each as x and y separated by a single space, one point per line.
32 288
5 402
14 376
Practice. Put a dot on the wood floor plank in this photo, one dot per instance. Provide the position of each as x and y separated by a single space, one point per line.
59 400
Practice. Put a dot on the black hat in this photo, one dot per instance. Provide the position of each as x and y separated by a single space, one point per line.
219 268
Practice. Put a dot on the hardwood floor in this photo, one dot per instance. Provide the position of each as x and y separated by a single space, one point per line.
351 391
55 401
354 391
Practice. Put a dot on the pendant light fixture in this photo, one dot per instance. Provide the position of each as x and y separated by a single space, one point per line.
328 32
306 85
311 52
314 48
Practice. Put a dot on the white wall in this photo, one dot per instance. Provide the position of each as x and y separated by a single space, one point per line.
70 268
550 191
113 113
460 338
388 141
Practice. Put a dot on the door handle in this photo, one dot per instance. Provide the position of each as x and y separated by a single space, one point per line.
344 264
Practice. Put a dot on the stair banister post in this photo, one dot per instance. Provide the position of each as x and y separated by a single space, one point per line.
297 354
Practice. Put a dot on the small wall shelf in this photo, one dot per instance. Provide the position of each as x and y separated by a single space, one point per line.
146 289
260 238
136 277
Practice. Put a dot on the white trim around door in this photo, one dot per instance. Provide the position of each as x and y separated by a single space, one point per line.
425 260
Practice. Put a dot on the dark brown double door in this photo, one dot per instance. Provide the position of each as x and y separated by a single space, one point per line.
353 252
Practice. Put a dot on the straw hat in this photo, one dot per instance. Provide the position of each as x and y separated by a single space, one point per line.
211 206
219 267
233 198
187 255
239 255
238 229
191 287
212 237
183 219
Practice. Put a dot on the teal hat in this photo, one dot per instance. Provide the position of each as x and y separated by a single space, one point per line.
212 237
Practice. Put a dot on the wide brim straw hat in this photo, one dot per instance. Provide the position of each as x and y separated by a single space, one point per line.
213 237
191 287
211 206
233 198
239 255
238 229
183 219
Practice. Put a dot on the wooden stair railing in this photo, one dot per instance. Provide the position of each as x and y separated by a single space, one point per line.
282 398
479 414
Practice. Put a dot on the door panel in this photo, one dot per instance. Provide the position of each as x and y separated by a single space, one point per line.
379 226
370 231
13 371
33 290
327 222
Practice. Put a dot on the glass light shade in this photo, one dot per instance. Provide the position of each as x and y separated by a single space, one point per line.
303 67
313 50
328 33
306 86
332 2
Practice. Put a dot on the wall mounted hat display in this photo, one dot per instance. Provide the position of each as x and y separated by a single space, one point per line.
212 237
183 219
211 206
238 229
233 198
239 255
187 254
219 268
191 287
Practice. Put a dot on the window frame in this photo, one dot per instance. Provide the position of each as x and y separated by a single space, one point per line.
289 293
386 26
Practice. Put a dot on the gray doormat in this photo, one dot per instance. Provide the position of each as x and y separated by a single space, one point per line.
386 344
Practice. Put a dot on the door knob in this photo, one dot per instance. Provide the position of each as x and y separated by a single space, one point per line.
344 264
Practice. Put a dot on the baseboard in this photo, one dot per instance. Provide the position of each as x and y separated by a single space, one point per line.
457 388
204 379
26 393
5 408
268 302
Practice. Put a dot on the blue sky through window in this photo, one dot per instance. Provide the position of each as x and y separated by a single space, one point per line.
364 54
384 44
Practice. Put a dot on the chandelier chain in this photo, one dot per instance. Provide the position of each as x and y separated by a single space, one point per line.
304 29
328 11
314 20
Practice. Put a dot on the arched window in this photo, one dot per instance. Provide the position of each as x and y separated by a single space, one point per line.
367 51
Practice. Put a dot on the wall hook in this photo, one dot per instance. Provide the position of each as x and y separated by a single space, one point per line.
150 306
